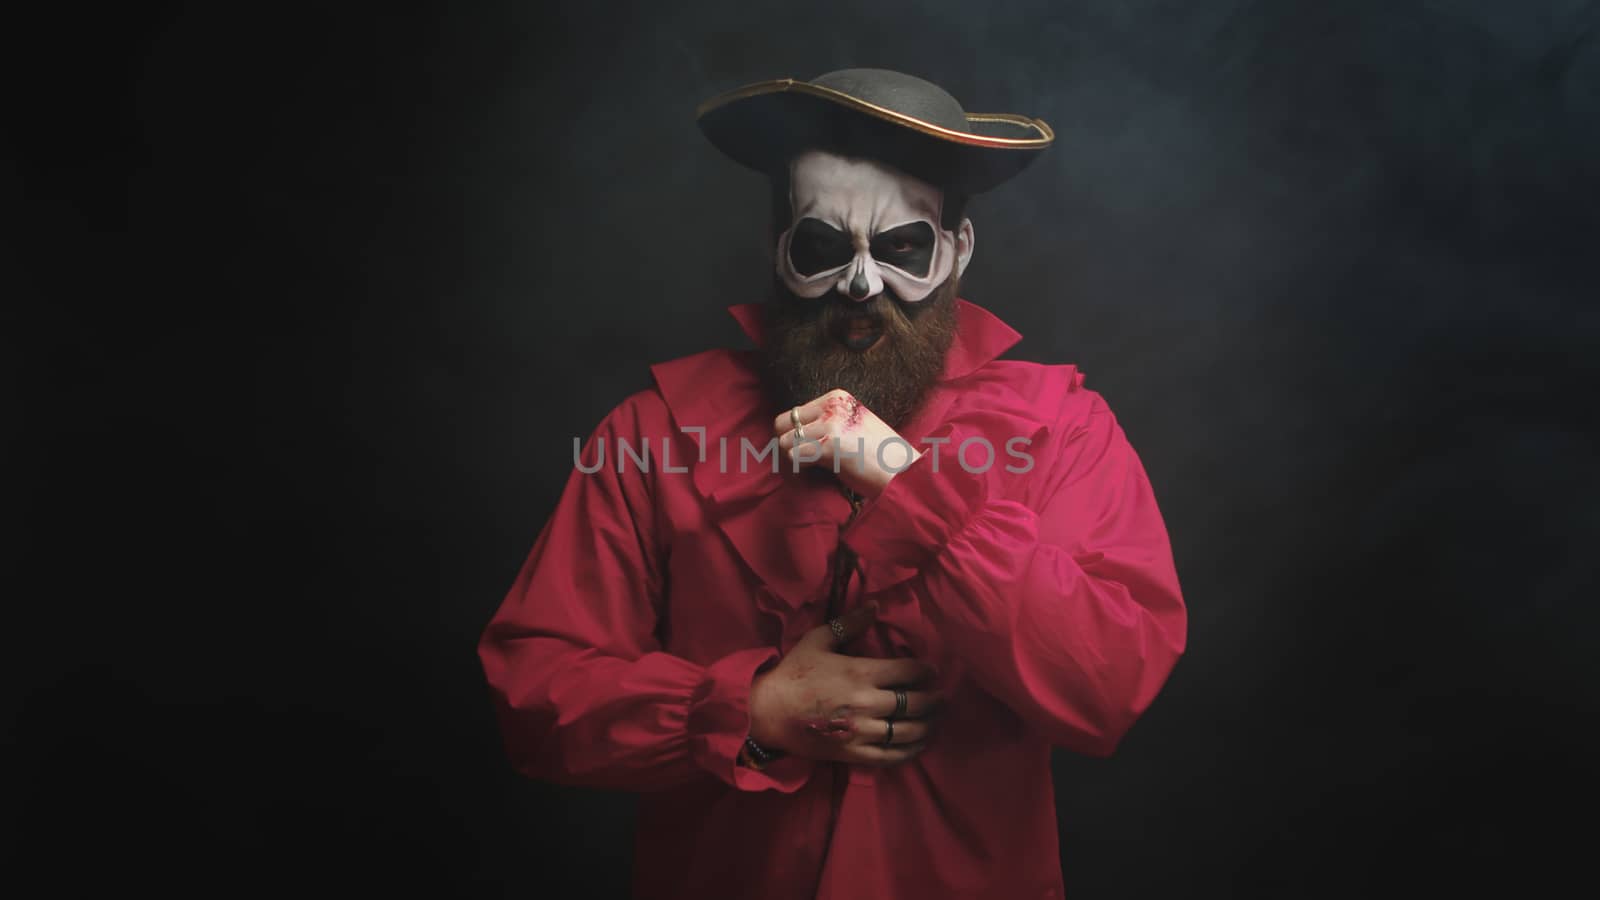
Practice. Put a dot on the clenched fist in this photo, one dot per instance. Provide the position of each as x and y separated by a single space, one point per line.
838 431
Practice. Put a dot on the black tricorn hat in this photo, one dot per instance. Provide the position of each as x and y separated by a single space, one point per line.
911 124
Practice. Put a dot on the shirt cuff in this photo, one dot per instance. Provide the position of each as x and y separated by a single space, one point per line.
719 721
917 513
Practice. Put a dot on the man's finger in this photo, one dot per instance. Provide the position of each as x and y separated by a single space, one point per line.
906 731
900 672
808 412
851 625
877 755
813 442
813 410
784 422
919 704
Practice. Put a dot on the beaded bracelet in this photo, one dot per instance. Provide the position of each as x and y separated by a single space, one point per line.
753 755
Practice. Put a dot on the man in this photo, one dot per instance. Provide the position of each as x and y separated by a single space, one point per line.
829 603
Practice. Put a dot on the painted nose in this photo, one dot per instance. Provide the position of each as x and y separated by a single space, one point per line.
861 281
858 286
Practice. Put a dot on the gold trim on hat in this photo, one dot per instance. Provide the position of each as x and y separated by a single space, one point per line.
898 118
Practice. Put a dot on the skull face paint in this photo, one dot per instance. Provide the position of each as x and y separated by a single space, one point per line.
860 226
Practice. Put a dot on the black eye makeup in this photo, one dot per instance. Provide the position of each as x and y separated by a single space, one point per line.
908 248
815 246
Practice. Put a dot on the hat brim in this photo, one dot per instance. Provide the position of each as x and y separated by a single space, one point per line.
764 125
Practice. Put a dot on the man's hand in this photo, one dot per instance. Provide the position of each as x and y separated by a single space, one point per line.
824 705
841 433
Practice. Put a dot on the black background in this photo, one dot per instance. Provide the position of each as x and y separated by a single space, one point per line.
308 305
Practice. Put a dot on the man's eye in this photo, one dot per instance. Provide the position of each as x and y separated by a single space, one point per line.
817 247
908 248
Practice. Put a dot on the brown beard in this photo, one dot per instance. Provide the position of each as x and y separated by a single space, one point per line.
806 358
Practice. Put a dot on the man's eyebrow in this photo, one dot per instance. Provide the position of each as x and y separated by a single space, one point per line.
918 228
816 221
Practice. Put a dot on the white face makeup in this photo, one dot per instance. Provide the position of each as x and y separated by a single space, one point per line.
859 226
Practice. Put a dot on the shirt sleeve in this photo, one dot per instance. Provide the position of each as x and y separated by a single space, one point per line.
1068 608
583 691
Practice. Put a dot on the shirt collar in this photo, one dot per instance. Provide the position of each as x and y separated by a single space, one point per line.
980 336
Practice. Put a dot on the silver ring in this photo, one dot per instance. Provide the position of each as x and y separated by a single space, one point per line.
837 627
799 434
794 417
899 705
888 737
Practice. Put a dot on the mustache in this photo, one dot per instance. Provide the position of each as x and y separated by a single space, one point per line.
806 355
834 312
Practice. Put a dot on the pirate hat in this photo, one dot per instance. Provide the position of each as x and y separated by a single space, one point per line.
911 124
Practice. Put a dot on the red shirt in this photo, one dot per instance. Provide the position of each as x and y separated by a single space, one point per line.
623 655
